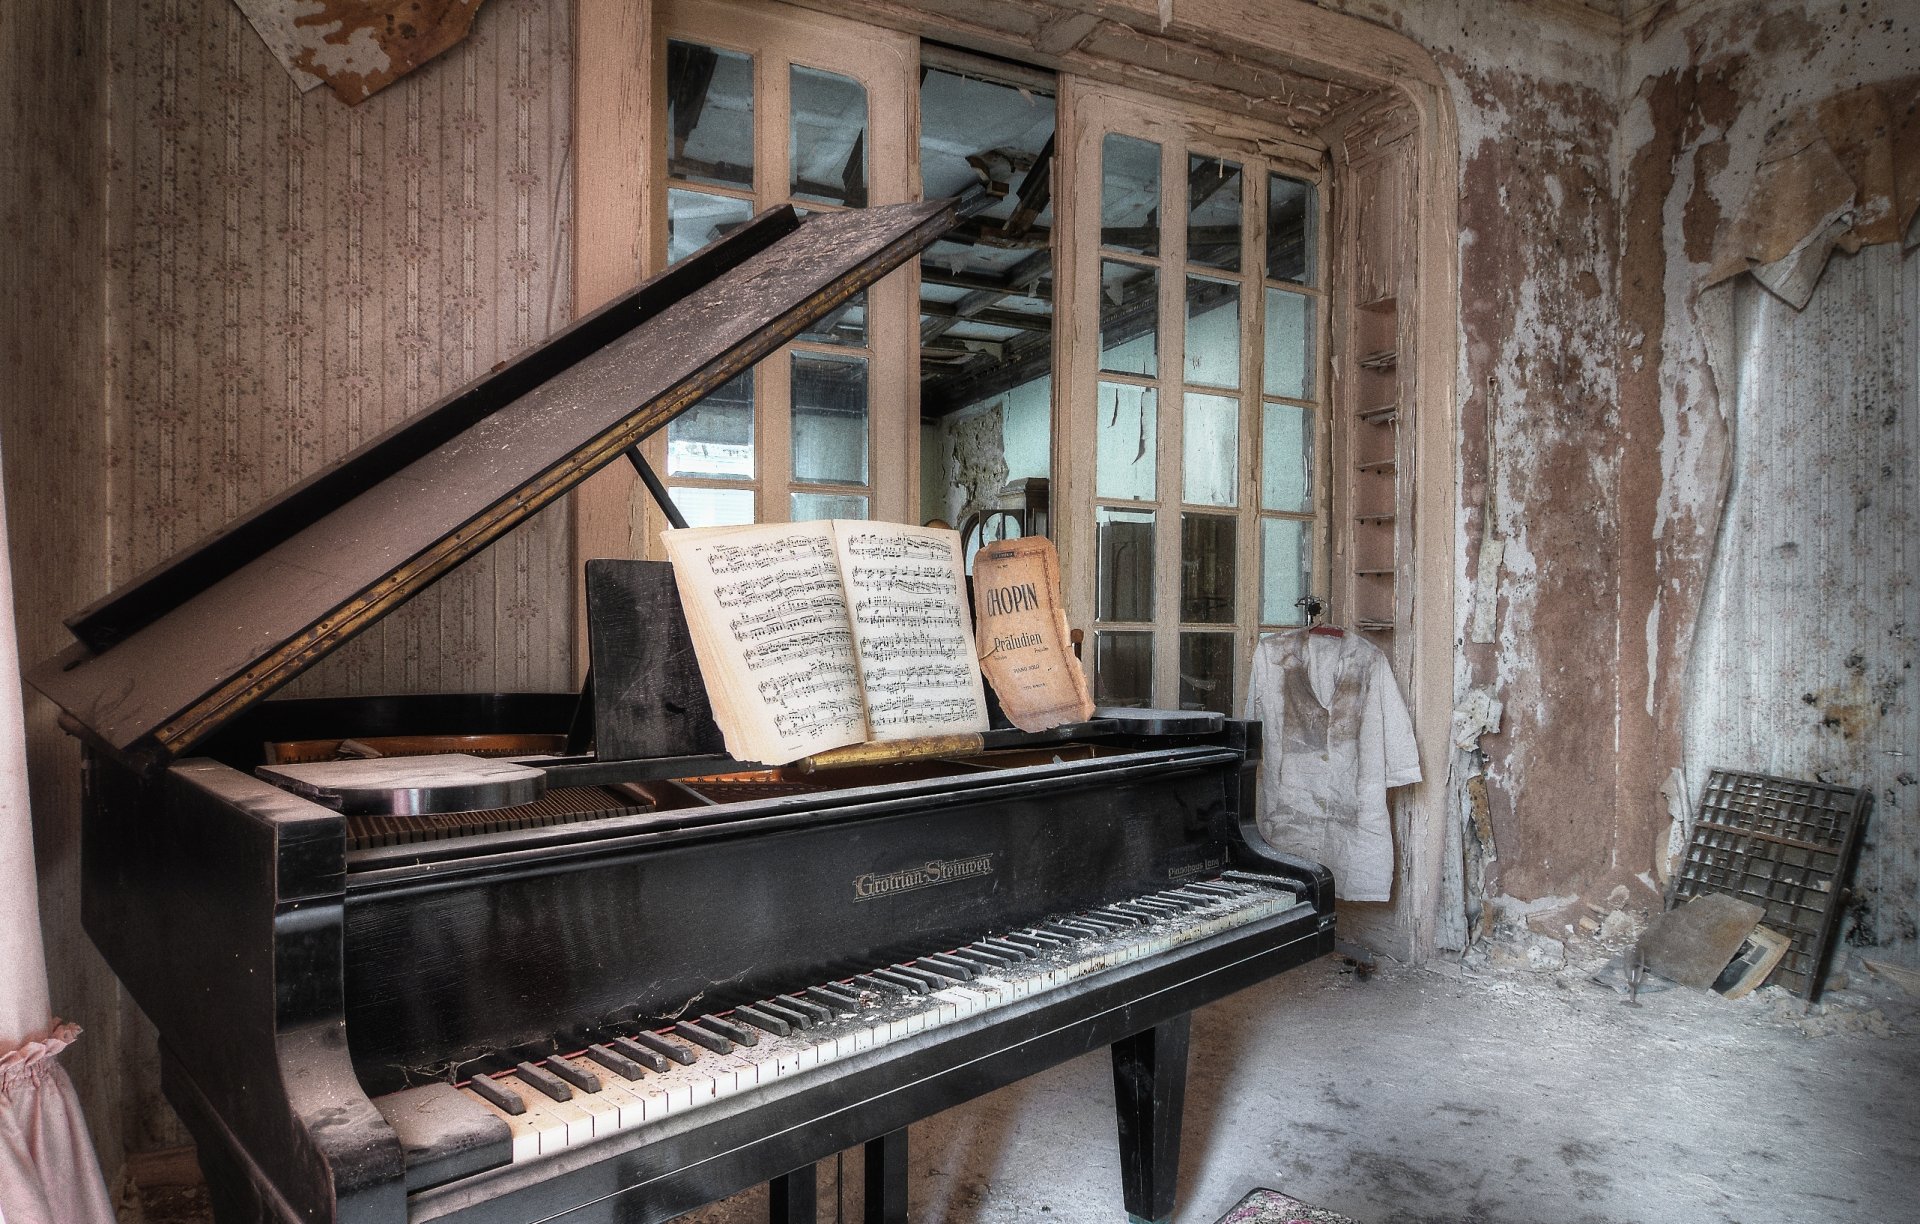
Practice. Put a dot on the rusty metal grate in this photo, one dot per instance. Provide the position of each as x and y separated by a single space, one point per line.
1786 846
562 805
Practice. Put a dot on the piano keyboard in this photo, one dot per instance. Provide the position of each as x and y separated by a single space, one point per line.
630 1081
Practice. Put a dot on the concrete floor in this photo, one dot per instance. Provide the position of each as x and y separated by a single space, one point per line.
1449 1095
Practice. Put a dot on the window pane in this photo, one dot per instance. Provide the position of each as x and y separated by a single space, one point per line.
808 507
1123 565
1206 672
1123 669
714 438
709 115
847 325
1289 344
1125 442
714 507
828 138
1130 194
1129 318
1210 450
1213 212
1213 332
1286 458
1206 568
695 218
829 419
1286 569
1290 230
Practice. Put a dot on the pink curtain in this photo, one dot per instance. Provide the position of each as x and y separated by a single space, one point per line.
48 1171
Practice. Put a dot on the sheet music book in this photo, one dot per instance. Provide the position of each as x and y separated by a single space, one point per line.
817 635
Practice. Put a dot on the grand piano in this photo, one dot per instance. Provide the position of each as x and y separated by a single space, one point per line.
617 975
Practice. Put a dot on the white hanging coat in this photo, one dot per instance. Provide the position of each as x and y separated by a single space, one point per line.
1335 736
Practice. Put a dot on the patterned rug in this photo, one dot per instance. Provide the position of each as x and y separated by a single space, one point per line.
1273 1207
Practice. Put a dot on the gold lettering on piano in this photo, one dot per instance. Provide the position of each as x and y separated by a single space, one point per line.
925 875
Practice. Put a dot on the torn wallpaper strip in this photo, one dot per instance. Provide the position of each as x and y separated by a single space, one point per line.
357 47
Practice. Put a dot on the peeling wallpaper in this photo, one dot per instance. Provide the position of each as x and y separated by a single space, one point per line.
1811 624
288 277
1595 166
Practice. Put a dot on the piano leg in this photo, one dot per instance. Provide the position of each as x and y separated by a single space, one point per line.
1149 1089
791 1197
887 1178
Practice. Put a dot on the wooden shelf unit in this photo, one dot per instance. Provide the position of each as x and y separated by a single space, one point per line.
1373 386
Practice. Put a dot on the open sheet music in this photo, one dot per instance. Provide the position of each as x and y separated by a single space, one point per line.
816 635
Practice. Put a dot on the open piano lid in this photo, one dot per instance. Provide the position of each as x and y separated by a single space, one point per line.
172 656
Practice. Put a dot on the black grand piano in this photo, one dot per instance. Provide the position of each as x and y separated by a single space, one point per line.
620 984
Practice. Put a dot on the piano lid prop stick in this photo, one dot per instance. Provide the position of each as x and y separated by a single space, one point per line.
890 751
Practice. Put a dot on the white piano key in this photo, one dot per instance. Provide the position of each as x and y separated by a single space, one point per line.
554 1121
523 1129
881 1020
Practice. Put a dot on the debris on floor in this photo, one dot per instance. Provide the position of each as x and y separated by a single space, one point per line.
1692 943
1265 1206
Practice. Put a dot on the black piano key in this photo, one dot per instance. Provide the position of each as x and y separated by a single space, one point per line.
503 1098
1214 887
765 1021
951 965
880 985
1172 897
1159 906
1038 936
616 1062
1038 944
933 980
1106 925
907 980
738 1034
1020 950
545 1080
1058 927
986 956
1144 913
672 1049
814 1013
1111 914
1197 896
701 1035
573 1073
651 1059
838 998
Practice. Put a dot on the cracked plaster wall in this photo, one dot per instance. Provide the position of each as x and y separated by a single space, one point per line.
1827 407
1596 162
